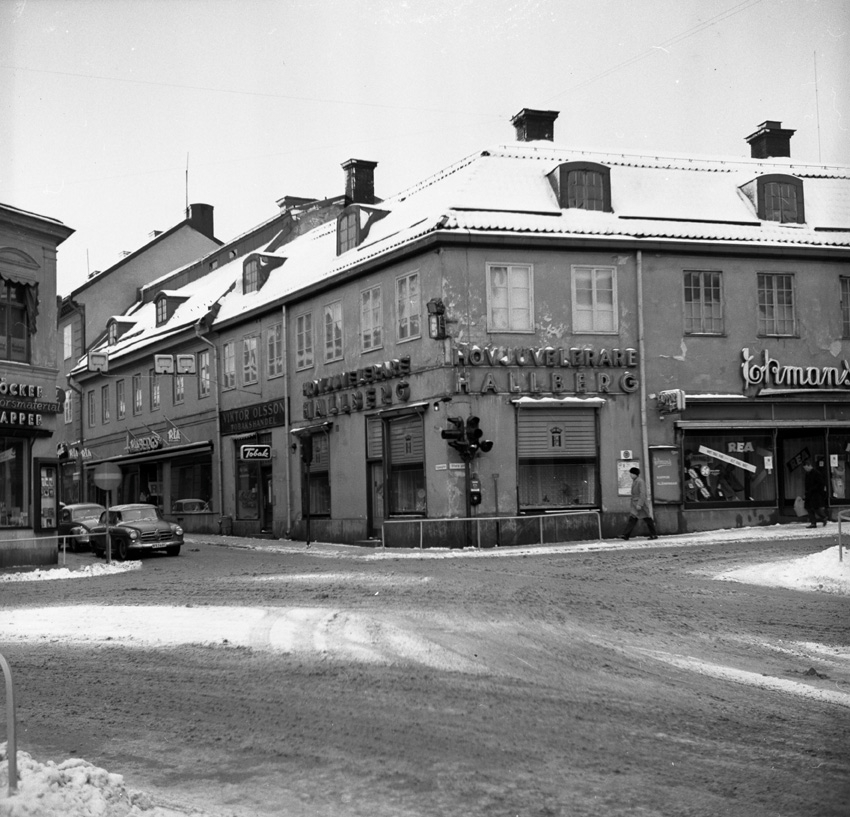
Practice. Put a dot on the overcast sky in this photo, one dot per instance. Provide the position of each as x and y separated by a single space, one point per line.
103 102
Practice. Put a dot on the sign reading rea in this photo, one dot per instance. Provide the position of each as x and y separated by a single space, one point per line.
255 452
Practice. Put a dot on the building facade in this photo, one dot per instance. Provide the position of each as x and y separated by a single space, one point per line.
29 402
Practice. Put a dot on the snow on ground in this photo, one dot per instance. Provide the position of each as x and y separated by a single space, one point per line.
76 788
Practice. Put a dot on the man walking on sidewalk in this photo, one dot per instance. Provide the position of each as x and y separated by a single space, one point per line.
639 507
814 486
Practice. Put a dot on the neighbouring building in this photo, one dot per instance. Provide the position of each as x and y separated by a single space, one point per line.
504 340
29 402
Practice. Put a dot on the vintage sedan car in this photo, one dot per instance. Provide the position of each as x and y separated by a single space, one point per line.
136 527
190 506
75 524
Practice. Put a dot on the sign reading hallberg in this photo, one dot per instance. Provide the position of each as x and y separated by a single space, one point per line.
255 452
254 417
544 370
770 373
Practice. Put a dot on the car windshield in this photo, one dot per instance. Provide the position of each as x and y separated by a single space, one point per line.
139 514
88 512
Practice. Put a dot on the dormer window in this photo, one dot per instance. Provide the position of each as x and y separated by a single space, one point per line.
582 186
113 334
161 311
115 329
166 303
256 269
777 197
353 225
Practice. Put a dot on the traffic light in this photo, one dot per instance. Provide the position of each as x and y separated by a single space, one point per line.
307 449
456 435
474 435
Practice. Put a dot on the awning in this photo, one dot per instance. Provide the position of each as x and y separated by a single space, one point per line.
314 429
555 402
732 424
407 408
166 453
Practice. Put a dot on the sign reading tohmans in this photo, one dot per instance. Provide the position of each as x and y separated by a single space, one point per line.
771 373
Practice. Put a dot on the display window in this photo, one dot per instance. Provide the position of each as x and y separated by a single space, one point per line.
728 469
14 501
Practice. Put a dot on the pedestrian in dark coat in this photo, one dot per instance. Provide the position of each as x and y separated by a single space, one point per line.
639 507
814 500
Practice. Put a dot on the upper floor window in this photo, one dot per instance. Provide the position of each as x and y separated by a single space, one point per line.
594 291
228 376
780 198
67 341
69 406
112 333
155 390
91 408
510 298
104 403
179 389
120 400
776 304
250 365
703 302
346 231
274 350
333 331
251 275
304 341
204 373
408 306
17 320
166 304
845 306
582 186
161 311
137 394
371 319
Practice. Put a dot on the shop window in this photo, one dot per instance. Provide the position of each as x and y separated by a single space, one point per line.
18 308
845 306
558 459
120 400
228 377
839 466
204 374
137 394
191 478
104 403
250 365
333 331
776 304
14 497
594 291
703 302
247 491
582 186
406 465
304 341
729 469
371 319
510 298
318 487
274 351
156 393
408 307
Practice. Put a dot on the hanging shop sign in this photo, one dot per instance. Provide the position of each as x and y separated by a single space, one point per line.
545 370
151 442
22 405
254 417
357 390
768 372
255 452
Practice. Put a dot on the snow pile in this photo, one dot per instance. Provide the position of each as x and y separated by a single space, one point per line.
86 572
821 572
73 788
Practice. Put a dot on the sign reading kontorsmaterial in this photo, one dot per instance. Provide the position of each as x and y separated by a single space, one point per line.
255 452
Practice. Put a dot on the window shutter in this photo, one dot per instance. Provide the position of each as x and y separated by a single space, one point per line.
407 443
543 433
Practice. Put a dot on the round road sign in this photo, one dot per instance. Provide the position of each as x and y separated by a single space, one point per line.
107 476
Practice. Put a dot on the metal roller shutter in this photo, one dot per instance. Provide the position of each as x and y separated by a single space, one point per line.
546 433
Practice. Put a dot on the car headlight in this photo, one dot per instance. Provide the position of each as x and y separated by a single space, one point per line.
134 534
178 531
77 530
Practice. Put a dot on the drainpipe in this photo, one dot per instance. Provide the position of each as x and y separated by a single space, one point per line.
287 424
220 457
642 355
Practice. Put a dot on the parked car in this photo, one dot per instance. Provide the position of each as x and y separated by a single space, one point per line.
75 523
190 506
135 527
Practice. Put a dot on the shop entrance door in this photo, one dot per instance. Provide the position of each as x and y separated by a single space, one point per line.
267 498
376 498
796 447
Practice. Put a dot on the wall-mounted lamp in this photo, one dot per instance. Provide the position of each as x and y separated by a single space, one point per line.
436 319
441 400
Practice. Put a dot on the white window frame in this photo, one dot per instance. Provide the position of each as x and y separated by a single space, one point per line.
579 314
156 391
69 406
513 323
333 330
228 361
274 351
68 340
161 311
137 394
371 319
91 409
204 378
120 400
767 328
179 395
408 307
304 358
250 360
104 403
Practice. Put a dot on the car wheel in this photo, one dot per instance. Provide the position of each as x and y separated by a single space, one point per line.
174 550
123 550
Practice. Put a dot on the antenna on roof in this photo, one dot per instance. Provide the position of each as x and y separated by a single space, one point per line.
187 184
817 104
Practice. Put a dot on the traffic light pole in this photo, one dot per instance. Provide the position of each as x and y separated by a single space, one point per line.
466 474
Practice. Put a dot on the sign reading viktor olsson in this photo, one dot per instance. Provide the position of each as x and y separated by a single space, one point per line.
550 370
771 373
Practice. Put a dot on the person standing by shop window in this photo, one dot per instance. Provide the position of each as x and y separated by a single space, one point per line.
639 507
814 486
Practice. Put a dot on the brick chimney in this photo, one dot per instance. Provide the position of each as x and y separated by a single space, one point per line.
360 181
532 125
200 216
770 140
